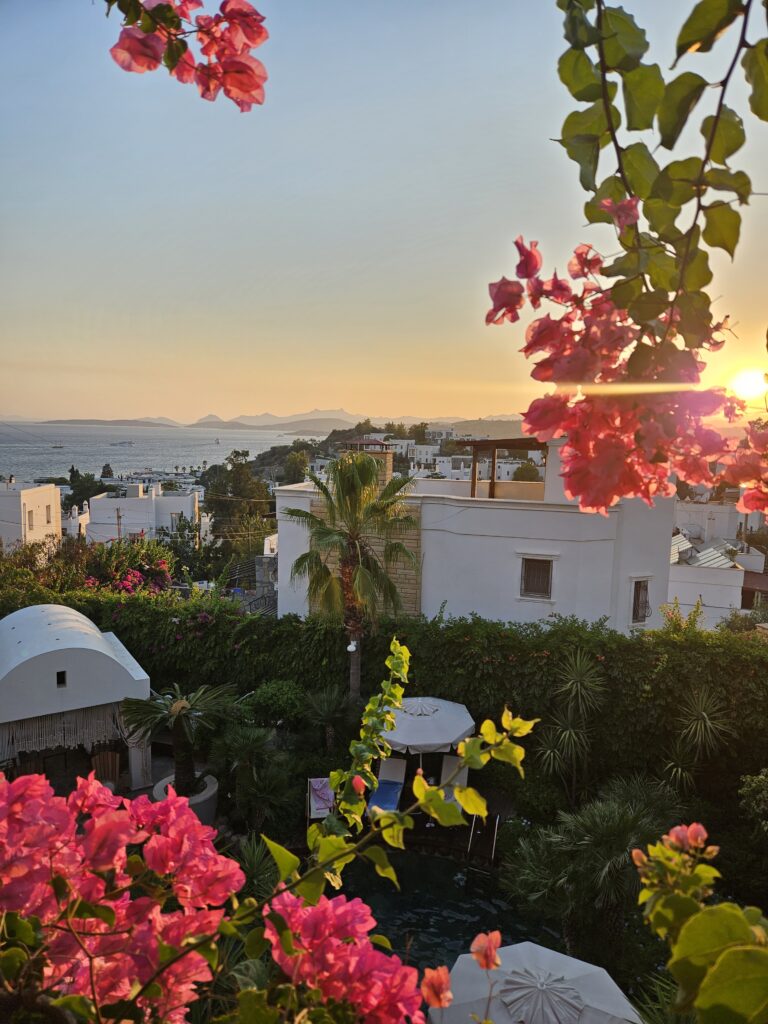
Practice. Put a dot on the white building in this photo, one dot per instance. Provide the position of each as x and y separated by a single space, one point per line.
521 555
61 684
706 520
713 572
140 513
75 522
29 513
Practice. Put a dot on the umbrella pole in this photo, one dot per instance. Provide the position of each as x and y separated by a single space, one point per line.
495 834
471 831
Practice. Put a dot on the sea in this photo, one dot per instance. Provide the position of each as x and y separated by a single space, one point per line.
33 450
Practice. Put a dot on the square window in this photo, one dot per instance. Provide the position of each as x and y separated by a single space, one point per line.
30 520
536 578
641 607
61 679
48 513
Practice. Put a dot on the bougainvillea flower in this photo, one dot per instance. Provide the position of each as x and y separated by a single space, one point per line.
507 298
557 289
485 950
624 213
243 79
358 784
436 987
535 288
138 51
530 258
582 264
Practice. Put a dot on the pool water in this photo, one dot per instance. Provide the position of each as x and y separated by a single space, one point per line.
438 911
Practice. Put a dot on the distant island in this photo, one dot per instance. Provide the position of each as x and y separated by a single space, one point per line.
114 423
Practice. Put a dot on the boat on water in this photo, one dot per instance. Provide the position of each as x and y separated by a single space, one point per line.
57 446
218 441
119 444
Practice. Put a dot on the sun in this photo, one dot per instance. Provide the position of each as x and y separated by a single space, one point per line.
749 384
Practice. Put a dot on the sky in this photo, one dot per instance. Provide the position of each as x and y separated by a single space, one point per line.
165 256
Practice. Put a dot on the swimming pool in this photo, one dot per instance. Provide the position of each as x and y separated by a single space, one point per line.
437 912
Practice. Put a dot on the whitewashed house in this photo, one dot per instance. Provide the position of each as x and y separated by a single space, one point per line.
61 684
513 551
717 573
29 513
141 513
75 522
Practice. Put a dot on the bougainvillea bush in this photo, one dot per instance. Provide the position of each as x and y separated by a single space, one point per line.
112 909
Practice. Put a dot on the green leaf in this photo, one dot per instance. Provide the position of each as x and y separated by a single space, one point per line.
680 97
381 940
471 800
60 887
19 928
663 271
705 24
378 857
648 306
472 754
252 1008
584 133
661 217
286 861
579 75
735 991
174 51
722 226
255 943
629 265
210 953
697 273
623 292
250 974
643 90
640 168
610 188
729 134
79 1006
11 961
624 41
729 181
80 909
677 182
284 932
755 64
702 939
695 317
578 29
312 886
670 912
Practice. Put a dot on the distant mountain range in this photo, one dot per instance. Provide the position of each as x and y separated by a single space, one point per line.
316 421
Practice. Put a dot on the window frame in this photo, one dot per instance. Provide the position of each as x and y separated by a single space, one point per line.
531 595
637 580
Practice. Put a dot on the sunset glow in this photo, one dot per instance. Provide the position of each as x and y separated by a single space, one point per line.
749 384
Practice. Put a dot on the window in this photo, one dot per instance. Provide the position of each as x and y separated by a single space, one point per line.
47 513
61 679
536 578
175 516
641 608
31 519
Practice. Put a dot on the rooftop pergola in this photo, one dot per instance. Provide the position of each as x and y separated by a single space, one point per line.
492 446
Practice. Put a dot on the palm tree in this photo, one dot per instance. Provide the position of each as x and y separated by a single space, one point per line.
348 579
329 709
255 777
580 869
186 716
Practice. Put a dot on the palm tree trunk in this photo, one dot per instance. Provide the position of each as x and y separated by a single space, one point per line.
184 760
354 670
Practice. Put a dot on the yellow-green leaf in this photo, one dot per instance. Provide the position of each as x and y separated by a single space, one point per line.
680 97
722 226
735 990
755 64
378 857
729 135
286 861
472 801
643 89
706 22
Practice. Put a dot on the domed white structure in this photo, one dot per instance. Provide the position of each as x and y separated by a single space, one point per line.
61 684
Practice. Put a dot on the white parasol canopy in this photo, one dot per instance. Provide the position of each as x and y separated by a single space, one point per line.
427 724
535 985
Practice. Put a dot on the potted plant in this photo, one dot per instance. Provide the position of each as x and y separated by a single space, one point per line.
185 716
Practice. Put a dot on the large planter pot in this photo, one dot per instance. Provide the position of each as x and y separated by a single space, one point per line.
202 803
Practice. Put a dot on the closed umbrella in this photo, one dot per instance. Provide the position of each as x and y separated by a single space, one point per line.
427 724
535 985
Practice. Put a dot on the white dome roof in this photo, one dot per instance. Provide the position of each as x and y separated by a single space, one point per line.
43 628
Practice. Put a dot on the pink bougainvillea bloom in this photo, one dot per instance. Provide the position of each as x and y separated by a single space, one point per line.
530 258
358 784
624 213
485 948
243 79
507 298
138 51
639 859
208 79
677 836
245 30
582 264
557 289
535 288
436 987
697 835
184 72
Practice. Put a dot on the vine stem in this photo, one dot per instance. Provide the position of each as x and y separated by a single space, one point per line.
699 183
607 99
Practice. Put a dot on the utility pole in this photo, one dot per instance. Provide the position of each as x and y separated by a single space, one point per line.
119 517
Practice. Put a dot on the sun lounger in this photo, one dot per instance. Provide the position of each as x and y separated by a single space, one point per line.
320 798
449 766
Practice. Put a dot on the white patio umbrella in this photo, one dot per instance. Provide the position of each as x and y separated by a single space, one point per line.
535 985
427 724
